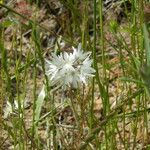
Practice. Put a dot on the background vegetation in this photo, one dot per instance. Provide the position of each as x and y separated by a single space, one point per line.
112 112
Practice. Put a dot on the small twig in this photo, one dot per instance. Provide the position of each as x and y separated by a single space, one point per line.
33 22
26 18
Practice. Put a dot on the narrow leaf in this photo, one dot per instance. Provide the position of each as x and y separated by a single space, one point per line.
39 104
146 44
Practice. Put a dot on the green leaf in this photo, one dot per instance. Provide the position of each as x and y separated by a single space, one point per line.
145 74
7 23
146 44
1 1
39 104
127 79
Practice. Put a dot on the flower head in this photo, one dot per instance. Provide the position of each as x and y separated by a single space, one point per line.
70 69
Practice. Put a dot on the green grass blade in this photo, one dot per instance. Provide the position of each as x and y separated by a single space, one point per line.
39 104
146 44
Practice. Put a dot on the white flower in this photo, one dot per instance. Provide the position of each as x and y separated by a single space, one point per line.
70 69
9 109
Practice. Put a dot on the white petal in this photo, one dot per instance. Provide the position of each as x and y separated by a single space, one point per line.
70 69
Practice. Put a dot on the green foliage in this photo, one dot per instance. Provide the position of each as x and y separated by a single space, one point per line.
107 113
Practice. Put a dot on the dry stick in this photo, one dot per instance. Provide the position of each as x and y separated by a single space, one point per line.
104 121
26 18
36 23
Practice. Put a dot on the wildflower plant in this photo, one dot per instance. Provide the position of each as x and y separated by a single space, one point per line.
70 69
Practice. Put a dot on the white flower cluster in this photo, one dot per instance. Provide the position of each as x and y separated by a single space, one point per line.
70 69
